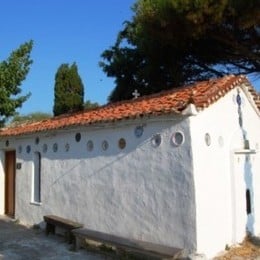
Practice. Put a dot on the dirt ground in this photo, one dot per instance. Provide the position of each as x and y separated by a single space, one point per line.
18 242
249 249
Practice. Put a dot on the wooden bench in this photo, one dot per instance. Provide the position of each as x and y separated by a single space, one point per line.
53 221
150 250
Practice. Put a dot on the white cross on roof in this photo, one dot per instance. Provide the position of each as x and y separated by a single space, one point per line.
136 94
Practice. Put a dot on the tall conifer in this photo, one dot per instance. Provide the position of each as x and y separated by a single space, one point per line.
68 90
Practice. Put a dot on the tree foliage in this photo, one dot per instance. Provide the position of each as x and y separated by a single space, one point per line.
68 90
12 73
90 105
31 117
172 42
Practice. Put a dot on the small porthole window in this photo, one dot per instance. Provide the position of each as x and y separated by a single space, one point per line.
45 148
28 148
178 138
105 145
37 140
90 145
55 147
139 131
207 139
20 149
78 137
67 147
156 140
7 143
121 143
221 141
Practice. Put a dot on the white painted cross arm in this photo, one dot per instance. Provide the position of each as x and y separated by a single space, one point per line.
136 94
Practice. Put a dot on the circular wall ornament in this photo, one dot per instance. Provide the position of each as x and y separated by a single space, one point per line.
221 141
207 139
122 143
105 145
139 131
156 140
20 149
37 140
55 147
78 137
45 148
178 138
67 147
90 145
28 148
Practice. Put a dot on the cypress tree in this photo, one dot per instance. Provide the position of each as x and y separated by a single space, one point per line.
68 90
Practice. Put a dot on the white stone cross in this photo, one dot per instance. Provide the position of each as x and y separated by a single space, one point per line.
136 94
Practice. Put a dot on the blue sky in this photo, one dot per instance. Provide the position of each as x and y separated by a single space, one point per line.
63 31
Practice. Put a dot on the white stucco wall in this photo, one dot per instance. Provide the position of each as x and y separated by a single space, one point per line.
219 179
142 191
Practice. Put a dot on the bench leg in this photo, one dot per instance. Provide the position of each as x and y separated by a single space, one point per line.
49 229
76 243
69 237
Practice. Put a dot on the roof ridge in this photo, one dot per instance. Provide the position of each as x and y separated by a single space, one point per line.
202 94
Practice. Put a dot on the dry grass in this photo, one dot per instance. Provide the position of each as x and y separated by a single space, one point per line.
249 249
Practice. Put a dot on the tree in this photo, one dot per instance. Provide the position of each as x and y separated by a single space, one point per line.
173 42
31 117
68 90
12 72
90 105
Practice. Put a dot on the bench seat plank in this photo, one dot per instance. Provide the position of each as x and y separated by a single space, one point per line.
129 244
62 222
52 221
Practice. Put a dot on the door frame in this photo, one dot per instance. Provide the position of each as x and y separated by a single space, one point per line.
10 183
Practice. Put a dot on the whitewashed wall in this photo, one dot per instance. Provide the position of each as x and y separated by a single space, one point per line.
142 191
219 179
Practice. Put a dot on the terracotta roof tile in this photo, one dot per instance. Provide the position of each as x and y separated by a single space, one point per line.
201 94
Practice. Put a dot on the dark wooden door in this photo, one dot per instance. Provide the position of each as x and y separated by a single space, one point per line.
10 183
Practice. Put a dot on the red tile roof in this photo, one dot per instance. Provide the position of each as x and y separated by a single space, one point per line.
174 101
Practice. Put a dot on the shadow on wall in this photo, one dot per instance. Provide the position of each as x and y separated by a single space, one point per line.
248 177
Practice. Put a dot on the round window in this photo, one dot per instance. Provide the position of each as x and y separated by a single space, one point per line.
67 147
90 145
78 137
139 131
156 140
121 143
55 147
45 148
28 148
207 139
178 138
37 140
20 149
105 145
221 141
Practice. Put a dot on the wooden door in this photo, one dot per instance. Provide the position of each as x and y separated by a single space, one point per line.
10 183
